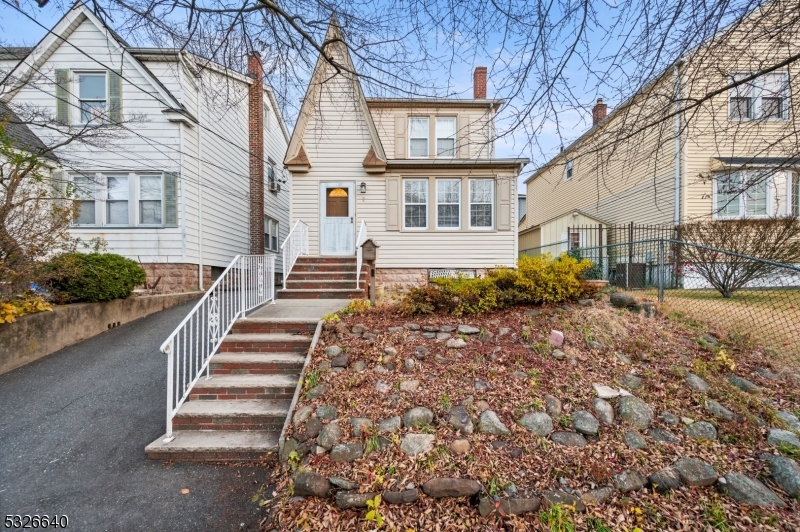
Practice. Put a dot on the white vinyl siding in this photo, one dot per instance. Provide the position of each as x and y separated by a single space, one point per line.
742 194
765 97
481 203
446 136
448 203
415 204
419 131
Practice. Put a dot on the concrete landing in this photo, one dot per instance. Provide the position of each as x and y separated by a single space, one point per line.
300 308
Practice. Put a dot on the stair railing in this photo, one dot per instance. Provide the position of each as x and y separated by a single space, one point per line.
248 282
362 237
296 244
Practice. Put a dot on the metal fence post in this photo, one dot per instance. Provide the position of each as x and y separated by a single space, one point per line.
661 270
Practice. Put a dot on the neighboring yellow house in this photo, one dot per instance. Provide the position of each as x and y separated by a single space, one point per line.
728 154
420 175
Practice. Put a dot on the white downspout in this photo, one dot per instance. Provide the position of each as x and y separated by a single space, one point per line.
200 183
676 219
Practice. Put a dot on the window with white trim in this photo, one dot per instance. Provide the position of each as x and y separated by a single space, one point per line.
151 193
765 97
415 203
448 203
481 203
92 96
123 199
419 131
271 234
446 136
742 194
568 171
117 195
85 189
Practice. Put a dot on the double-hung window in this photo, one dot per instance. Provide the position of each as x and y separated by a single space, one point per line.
419 131
125 199
742 194
92 97
150 199
85 198
117 195
415 192
481 203
765 97
448 203
568 171
446 137
271 234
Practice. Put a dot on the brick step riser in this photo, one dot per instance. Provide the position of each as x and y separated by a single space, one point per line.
231 394
355 294
265 347
211 456
257 369
325 260
274 423
319 285
322 276
323 268
274 328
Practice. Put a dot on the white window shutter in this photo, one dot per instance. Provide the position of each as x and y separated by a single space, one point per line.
393 204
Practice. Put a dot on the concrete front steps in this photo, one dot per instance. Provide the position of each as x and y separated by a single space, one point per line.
238 413
324 278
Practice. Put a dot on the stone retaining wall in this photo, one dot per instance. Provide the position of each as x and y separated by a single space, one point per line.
175 277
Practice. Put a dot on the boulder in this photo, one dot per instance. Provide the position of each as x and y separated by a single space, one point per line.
308 483
665 480
598 496
396 330
410 386
604 411
442 336
316 392
460 419
635 411
719 411
460 446
302 414
537 422
631 381
417 417
629 480
313 427
347 500
450 487
568 439
634 440
786 473
414 444
347 452
621 300
558 354
412 326
333 351
662 435
421 352
669 418
507 506
342 483
467 329
701 430
585 423
552 405
559 497
360 426
750 491
783 438
401 497
455 343
767 374
605 392
489 423
696 383
409 364
330 435
556 338
341 361
791 420
743 384
390 425
326 412
695 472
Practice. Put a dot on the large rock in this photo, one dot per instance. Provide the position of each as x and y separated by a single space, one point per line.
664 480
559 497
631 381
695 472
455 343
537 422
568 439
634 440
417 417
414 444
585 423
701 430
719 411
330 435
490 424
507 506
597 496
333 351
460 420
326 412
629 480
409 386
309 483
460 446
313 427
347 500
302 414
605 392
791 420
468 329
783 438
341 361
786 473
316 392
451 487
390 425
662 435
360 426
635 411
343 483
750 491
604 411
401 497
552 405
347 452
696 383
290 446
621 300
743 384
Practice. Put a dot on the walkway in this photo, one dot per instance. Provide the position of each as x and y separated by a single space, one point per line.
73 427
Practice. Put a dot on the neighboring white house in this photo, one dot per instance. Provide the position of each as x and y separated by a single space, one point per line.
421 174
178 191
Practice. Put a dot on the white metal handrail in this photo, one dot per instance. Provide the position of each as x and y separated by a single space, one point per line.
296 244
362 237
248 282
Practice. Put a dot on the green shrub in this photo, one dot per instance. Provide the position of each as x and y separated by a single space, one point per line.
537 280
93 276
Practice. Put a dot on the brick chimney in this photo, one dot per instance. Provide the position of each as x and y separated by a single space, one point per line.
599 111
255 113
479 83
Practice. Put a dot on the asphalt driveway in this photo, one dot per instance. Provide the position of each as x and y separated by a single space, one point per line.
73 427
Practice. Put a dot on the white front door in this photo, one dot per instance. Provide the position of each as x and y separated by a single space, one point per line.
337 214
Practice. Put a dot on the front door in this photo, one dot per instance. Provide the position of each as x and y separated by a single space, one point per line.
337 212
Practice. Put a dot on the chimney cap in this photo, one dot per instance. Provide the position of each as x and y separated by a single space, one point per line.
599 100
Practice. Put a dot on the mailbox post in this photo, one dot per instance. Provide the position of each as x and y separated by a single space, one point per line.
369 253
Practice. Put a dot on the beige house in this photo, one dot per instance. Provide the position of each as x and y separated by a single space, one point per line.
417 176
728 153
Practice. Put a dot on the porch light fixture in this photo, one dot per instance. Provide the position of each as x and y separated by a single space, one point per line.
362 188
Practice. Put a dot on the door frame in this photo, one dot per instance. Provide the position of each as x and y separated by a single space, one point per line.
351 186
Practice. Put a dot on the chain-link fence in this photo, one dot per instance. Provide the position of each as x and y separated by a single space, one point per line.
755 299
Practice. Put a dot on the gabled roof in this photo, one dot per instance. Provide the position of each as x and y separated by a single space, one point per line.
21 135
335 38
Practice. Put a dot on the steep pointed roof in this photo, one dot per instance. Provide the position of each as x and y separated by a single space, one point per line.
295 151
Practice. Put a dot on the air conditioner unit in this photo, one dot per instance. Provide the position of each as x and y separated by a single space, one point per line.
274 187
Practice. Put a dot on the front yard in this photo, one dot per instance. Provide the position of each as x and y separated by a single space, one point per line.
486 423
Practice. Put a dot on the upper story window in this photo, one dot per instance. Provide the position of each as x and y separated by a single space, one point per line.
446 136
92 96
415 201
742 194
568 171
481 203
419 131
448 203
765 97
126 199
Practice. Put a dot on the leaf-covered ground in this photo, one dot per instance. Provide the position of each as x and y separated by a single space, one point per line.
520 370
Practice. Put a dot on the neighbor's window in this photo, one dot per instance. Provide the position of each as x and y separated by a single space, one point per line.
150 191
415 203
446 137
271 234
418 136
117 193
481 203
764 97
448 203
84 197
740 194
796 194
92 96
568 171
